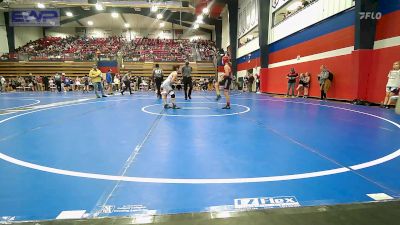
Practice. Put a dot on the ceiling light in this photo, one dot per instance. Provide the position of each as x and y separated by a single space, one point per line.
162 24
69 14
196 26
127 25
154 8
90 23
114 15
99 6
159 16
206 10
40 5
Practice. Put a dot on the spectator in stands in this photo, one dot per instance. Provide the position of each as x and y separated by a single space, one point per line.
292 76
187 80
324 81
304 3
109 82
95 76
393 84
58 80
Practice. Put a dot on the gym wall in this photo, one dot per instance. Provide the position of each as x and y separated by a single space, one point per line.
330 42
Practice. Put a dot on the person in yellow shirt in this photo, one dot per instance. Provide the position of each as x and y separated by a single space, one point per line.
95 76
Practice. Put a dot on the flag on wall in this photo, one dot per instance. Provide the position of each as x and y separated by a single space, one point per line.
104 66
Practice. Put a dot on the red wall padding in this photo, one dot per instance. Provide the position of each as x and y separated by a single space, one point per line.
359 75
332 41
388 26
274 80
383 60
249 64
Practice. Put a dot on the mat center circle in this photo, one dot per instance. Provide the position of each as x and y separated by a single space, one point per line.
196 109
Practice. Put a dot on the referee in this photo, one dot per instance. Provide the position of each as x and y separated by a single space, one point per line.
158 79
187 80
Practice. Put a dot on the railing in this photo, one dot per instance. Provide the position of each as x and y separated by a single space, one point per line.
294 13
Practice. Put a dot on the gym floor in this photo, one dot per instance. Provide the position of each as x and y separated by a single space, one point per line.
70 155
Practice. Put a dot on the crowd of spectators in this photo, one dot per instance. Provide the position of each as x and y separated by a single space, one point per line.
207 49
89 48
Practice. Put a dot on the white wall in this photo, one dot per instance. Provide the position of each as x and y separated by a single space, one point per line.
23 35
61 32
225 29
248 48
3 35
315 13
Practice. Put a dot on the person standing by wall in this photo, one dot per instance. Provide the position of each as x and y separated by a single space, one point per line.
257 77
292 76
187 80
158 78
95 76
306 84
393 84
324 81
250 80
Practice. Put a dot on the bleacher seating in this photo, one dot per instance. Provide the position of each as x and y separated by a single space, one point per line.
89 49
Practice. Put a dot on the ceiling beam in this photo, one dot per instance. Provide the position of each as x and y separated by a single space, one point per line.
171 17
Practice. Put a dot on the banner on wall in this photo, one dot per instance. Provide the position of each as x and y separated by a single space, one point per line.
247 16
34 17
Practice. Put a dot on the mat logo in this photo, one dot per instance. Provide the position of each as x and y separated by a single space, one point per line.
266 202
7 219
32 17
107 209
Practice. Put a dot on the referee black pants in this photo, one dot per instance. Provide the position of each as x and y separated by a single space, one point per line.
158 81
187 81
